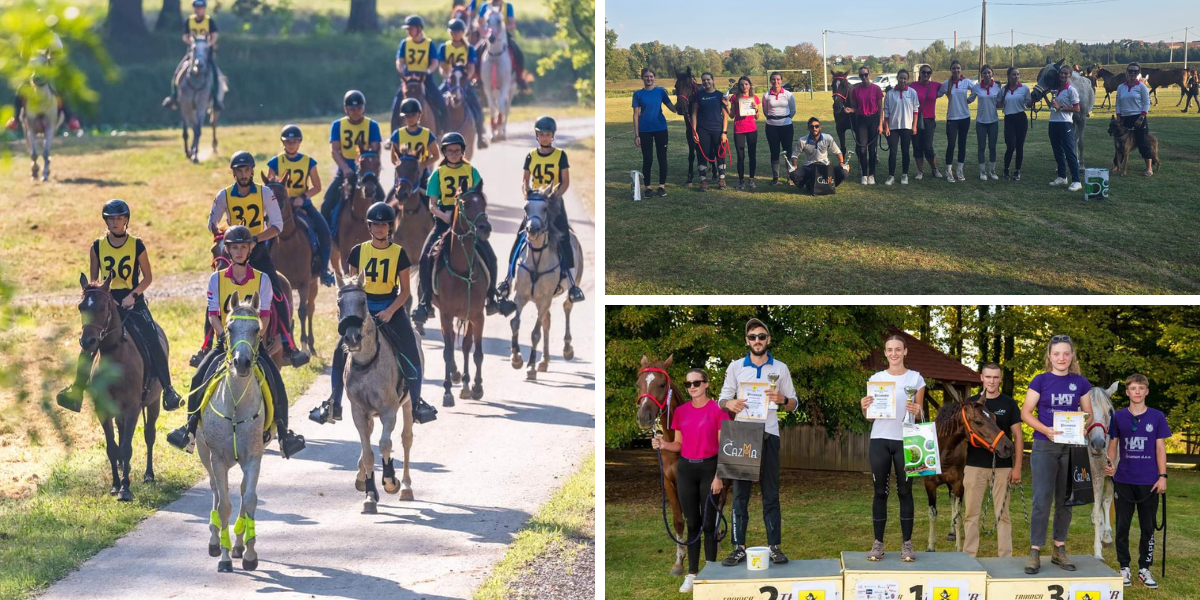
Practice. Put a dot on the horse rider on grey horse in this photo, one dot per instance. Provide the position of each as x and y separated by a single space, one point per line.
199 25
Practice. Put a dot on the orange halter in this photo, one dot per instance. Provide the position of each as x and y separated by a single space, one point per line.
975 439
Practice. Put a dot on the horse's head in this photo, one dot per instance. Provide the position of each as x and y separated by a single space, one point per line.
414 86
1102 411
495 28
408 173
981 429
1047 80
655 391
198 55
472 216
456 85
538 209
685 90
352 311
241 333
840 88
98 310
368 172
280 194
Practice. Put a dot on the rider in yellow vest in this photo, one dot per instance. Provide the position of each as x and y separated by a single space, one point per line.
384 266
122 259
43 58
246 280
510 25
200 25
547 166
298 174
420 140
455 52
345 136
419 54
452 175
255 207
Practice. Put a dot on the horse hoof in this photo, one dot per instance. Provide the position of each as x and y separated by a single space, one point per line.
214 550
531 375
373 496
542 367
406 495
568 353
236 552
124 495
149 478
391 485
456 377
677 571
113 491
447 399
250 564
464 394
369 508
950 537
929 549
225 566
477 392
517 362
360 485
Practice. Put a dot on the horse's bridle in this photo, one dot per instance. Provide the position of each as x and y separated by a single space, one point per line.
400 178
106 329
844 97
976 440
666 401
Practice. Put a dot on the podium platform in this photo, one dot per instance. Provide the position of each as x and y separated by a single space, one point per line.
1091 580
933 576
796 580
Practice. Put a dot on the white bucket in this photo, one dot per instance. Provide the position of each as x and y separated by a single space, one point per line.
637 185
758 558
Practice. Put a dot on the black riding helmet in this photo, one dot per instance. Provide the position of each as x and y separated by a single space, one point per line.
115 208
241 158
291 132
456 24
452 138
354 98
545 123
410 106
414 21
238 234
381 212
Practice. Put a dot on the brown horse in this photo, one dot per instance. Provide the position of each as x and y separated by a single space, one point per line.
458 117
686 89
413 219
659 396
414 87
1112 81
358 194
273 339
293 257
460 285
1156 78
959 424
127 391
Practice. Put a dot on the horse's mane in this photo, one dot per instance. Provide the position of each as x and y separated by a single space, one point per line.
1101 404
947 413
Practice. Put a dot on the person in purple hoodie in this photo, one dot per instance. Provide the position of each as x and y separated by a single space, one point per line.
1062 387
1139 435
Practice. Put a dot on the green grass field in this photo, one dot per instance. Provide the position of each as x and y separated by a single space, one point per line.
826 512
928 237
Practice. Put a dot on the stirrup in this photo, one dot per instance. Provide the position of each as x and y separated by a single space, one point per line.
576 294
423 412
421 314
320 414
180 438
290 443
505 306
171 399
194 361
297 358
502 290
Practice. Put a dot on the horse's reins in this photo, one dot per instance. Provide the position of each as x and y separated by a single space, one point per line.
229 374
535 273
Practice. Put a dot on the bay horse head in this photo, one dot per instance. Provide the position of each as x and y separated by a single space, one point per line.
656 392
840 88
408 174
414 86
98 310
1102 412
470 214
241 326
685 91
368 171
971 422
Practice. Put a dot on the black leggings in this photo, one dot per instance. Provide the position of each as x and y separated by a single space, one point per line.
742 140
216 357
1127 498
409 359
1016 126
651 141
710 142
866 139
957 130
887 456
693 482
1142 134
779 140
923 143
902 138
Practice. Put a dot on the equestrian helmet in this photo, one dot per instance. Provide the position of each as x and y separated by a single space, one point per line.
381 212
199 3
291 132
414 21
545 123
115 208
456 24
451 138
239 234
241 158
410 106
354 98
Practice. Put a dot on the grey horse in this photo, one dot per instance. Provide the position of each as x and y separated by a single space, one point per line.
40 116
373 385
536 280
194 77
231 431
1048 79
1102 485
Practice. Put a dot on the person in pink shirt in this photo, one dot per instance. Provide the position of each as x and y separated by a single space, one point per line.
866 104
745 128
698 424
927 95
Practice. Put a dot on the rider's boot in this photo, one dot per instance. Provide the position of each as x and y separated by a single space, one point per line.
71 397
289 443
171 399
181 438
423 412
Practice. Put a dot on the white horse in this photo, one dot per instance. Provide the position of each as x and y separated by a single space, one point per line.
40 116
194 79
497 75
1102 485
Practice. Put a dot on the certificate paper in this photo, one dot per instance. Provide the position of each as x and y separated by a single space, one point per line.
884 404
746 106
755 395
1070 423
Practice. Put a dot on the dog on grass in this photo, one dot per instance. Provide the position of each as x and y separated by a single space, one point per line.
1125 141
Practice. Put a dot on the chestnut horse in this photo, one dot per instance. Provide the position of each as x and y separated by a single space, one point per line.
460 286
414 87
358 194
293 258
659 396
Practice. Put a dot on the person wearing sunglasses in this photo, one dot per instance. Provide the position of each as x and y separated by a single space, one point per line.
1133 104
1061 387
698 434
1137 446
759 366
1013 99
900 107
866 106
958 119
927 95
815 148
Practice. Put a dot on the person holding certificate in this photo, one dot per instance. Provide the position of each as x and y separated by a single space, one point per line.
744 391
744 106
882 406
1061 388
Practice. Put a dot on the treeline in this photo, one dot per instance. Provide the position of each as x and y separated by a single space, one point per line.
825 348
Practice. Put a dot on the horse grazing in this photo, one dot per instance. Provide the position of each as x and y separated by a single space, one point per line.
959 424
685 92
1048 80
194 79
358 193
414 87
1102 485
377 389
659 396
840 88
458 117
497 74
41 115
128 392
460 285
1125 141
293 258
231 432
413 219
537 278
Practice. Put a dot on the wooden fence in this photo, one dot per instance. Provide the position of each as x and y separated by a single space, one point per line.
808 447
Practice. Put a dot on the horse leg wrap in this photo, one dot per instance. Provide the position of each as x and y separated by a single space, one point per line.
244 525
214 519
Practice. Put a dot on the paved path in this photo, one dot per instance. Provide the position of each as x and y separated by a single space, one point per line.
479 471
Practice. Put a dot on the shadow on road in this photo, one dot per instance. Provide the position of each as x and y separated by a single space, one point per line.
329 580
483 523
343 454
539 413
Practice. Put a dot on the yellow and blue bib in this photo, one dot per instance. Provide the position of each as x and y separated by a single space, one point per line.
453 179
226 287
417 54
293 173
380 269
352 135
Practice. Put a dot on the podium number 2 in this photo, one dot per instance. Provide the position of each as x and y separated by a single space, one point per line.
771 592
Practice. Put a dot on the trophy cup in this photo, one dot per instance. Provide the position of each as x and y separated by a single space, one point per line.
911 392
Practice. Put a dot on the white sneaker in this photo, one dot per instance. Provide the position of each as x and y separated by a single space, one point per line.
1075 187
1059 181
1126 576
864 181
904 179
686 588
982 173
920 176
950 175
992 172
890 180
1147 578
958 172
871 179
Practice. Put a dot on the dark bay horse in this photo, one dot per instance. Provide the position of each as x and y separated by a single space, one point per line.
685 91
413 219
293 258
460 286
414 87
960 424
358 193
659 395
840 88
1156 78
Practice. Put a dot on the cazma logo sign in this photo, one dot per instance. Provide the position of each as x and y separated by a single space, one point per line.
746 450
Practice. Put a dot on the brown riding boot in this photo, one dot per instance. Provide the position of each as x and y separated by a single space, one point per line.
1033 564
1059 557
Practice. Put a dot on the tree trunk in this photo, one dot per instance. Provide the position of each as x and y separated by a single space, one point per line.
170 17
982 338
956 334
923 332
1009 343
125 18
363 17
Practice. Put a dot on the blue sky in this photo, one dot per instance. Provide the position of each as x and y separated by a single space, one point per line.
724 24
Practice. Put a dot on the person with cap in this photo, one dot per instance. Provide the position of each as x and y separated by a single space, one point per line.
121 259
458 51
200 25
420 140
384 266
508 16
814 149
298 174
418 54
759 366
346 136
547 167
243 279
452 176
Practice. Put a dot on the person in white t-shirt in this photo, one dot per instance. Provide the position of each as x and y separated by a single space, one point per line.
886 451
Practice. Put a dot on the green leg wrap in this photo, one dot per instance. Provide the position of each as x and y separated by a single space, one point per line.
225 543
214 519
244 525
